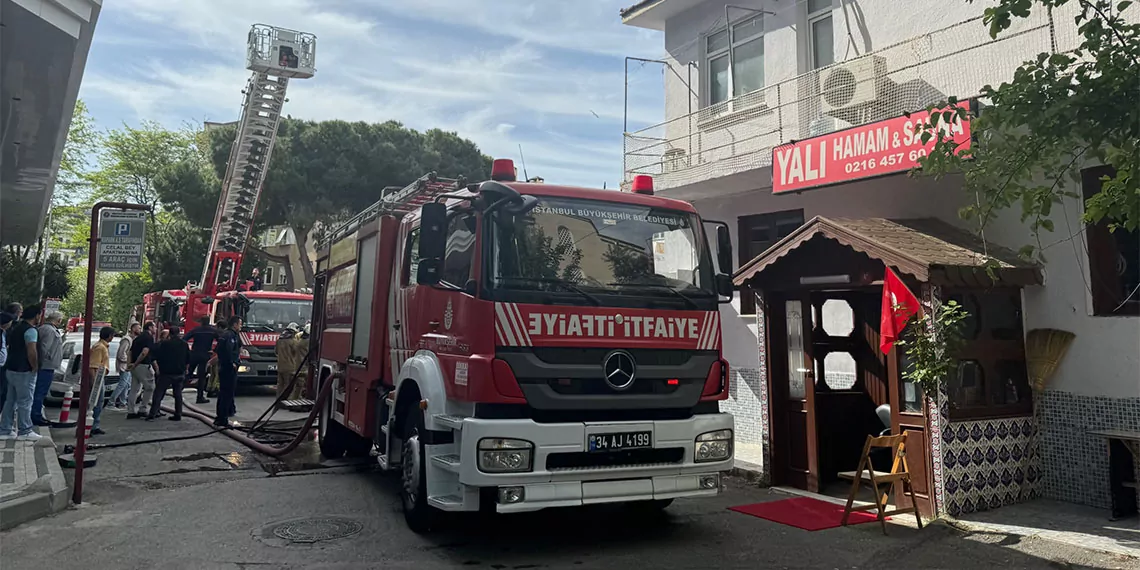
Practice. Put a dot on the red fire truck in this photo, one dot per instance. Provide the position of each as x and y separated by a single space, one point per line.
515 346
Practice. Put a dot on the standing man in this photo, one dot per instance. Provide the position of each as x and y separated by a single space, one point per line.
13 310
123 355
229 358
100 367
201 341
170 360
257 283
142 375
50 348
21 366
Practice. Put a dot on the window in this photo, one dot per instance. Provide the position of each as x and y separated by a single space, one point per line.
747 75
269 274
460 250
365 290
991 379
1114 258
282 277
820 33
411 258
755 234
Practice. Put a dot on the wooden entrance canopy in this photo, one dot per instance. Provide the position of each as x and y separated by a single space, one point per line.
928 249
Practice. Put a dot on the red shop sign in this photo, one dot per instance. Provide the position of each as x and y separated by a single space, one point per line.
860 152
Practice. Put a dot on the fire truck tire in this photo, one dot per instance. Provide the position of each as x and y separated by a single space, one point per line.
332 435
418 514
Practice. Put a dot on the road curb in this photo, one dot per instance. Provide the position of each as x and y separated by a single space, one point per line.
48 494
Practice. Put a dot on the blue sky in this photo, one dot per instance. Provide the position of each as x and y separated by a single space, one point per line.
545 74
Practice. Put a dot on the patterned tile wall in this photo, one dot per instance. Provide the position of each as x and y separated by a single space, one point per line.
989 463
744 404
765 417
1075 463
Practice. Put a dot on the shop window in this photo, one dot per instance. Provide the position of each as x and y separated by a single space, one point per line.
755 234
991 380
1114 258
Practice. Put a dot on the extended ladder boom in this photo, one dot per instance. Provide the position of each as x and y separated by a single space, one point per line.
274 55
396 201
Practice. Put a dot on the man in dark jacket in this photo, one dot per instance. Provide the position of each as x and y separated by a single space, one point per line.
170 360
229 358
201 341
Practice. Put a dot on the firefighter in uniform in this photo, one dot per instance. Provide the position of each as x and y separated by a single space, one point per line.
290 349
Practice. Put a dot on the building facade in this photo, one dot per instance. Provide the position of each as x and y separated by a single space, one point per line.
781 125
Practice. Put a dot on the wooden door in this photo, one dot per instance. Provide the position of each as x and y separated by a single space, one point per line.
792 379
909 417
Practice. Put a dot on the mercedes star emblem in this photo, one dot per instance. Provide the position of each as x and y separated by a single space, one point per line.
619 369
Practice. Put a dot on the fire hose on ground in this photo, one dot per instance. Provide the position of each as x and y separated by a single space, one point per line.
192 411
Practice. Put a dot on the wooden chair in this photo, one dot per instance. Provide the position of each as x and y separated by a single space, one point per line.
881 482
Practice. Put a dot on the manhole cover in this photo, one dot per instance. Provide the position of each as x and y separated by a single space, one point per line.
307 531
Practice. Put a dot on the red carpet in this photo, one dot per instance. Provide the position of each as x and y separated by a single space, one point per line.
803 512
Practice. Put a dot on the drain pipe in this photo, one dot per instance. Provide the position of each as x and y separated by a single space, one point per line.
270 450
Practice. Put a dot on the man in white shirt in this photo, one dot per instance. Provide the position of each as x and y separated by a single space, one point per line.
123 355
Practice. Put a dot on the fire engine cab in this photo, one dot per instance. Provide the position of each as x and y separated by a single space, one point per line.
518 346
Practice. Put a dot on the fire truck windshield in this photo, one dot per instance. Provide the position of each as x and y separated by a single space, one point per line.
276 314
601 253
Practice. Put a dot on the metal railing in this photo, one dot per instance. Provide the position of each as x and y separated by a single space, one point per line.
738 135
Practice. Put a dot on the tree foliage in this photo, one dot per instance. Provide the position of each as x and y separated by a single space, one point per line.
319 171
76 299
540 257
20 279
125 294
1059 112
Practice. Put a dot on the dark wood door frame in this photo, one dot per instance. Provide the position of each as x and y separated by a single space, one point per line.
786 411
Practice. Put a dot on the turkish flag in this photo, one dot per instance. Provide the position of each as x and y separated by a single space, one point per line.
899 304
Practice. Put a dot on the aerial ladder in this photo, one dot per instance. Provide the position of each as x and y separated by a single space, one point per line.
274 55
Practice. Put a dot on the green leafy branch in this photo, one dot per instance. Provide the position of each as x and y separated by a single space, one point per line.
932 348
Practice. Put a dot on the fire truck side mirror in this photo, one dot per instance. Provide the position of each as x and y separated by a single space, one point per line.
723 248
724 285
433 242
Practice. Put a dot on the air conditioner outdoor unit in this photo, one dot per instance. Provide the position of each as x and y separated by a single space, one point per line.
675 160
852 83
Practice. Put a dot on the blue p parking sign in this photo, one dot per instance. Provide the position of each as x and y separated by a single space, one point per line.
121 237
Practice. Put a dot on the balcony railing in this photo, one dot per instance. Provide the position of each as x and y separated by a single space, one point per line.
738 135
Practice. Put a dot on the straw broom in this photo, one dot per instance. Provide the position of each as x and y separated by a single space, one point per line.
1044 349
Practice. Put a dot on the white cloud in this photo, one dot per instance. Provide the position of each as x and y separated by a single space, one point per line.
557 90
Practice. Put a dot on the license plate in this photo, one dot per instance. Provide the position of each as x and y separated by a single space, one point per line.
272 367
602 442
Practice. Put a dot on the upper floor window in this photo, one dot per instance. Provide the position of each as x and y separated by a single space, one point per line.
747 40
820 33
1114 258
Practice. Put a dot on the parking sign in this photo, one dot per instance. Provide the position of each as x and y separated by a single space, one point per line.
121 237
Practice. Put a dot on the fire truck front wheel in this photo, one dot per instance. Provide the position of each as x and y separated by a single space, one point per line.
419 516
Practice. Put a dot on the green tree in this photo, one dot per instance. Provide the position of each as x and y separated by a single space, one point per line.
319 171
628 264
127 292
1059 112
179 253
132 160
540 257
20 279
76 300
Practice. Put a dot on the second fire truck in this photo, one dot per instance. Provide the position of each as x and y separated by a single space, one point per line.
513 346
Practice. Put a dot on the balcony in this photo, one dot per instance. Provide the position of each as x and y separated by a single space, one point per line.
737 136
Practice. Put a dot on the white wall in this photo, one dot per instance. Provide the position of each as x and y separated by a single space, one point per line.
1104 359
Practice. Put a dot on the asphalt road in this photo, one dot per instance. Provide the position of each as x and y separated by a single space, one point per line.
209 503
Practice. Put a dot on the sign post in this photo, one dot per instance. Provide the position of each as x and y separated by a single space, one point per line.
118 230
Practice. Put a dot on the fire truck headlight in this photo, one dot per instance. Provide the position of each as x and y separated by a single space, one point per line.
499 455
713 446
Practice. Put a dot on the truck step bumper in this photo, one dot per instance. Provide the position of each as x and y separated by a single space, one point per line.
536 496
